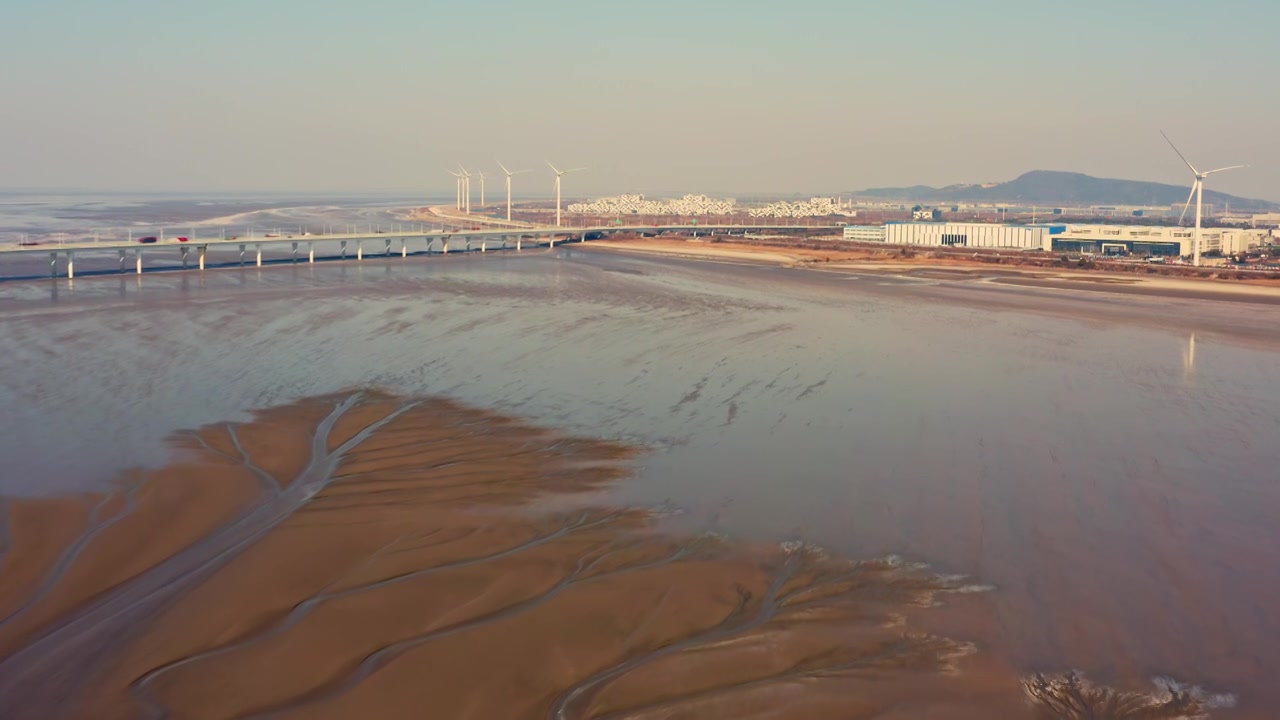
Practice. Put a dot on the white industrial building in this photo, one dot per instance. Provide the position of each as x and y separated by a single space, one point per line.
1101 239
980 235
1155 240
864 233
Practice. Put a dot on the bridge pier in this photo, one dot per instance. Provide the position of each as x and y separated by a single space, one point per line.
184 251
343 249
387 249
200 253
294 252
258 250
483 244
311 251
519 240
444 245
360 250
53 264
122 261
468 245
137 257
404 248
242 250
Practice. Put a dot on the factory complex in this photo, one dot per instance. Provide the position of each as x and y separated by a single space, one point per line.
1074 238
929 228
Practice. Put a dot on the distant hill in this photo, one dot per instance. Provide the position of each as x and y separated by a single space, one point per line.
1053 188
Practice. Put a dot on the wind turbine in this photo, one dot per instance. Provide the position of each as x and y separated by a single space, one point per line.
1197 191
457 204
466 189
480 173
509 174
560 174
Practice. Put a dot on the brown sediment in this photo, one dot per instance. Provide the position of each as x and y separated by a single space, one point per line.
368 556
1070 697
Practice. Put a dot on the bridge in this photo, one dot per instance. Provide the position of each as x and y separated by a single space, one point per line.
302 246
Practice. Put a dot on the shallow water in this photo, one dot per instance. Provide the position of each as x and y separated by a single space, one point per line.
1108 463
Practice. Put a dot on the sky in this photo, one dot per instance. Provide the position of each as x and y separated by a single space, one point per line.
653 96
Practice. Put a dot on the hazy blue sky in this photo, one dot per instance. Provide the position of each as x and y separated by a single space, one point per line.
651 95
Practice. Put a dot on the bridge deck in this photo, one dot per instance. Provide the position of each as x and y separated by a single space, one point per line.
542 232
66 252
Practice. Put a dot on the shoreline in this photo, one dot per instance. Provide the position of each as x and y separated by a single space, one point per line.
1088 281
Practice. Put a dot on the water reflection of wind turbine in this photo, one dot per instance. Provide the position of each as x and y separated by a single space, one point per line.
1189 358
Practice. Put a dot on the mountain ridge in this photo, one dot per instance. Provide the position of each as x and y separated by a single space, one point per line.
1059 188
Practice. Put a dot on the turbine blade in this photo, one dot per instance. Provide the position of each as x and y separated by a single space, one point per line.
1175 149
575 170
504 168
553 169
1233 167
1188 205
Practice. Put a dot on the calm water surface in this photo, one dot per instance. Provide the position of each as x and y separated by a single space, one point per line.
1110 464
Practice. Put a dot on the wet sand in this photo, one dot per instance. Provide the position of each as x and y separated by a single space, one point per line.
363 555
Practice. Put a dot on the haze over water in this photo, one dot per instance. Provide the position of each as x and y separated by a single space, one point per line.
1107 463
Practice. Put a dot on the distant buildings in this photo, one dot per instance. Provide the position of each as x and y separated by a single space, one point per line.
694 205
636 204
813 207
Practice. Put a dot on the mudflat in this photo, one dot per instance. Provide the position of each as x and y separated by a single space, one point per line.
364 555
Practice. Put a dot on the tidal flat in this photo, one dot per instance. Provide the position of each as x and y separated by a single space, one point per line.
639 487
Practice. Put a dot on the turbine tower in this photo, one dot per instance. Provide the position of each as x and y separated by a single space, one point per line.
466 189
480 174
509 174
560 174
1197 191
457 204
